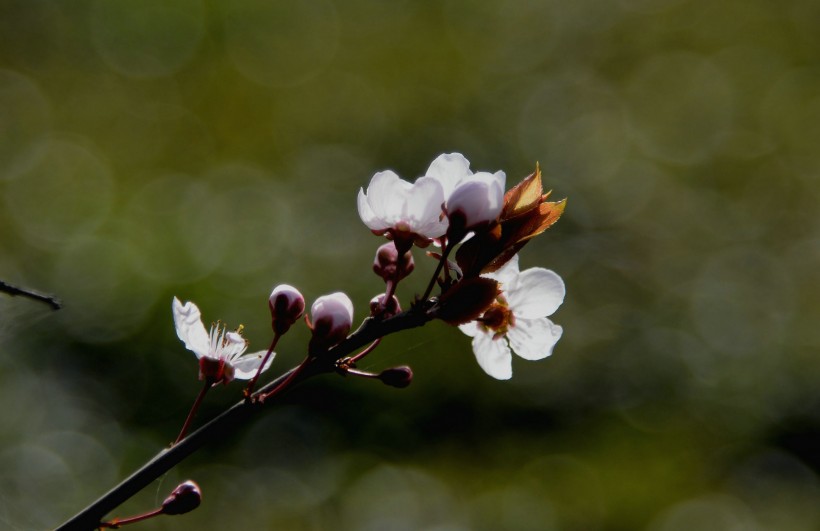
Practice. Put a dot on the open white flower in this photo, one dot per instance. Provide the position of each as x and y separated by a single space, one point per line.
517 321
221 353
392 204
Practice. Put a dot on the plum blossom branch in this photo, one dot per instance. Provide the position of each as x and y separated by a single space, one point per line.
503 309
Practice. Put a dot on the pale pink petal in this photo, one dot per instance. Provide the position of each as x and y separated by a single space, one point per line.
493 356
449 169
188 323
538 293
479 198
246 366
534 339
337 308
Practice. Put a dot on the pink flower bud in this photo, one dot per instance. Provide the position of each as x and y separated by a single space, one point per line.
387 310
332 317
185 498
390 266
286 307
399 377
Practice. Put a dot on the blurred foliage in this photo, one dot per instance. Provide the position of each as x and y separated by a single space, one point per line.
211 150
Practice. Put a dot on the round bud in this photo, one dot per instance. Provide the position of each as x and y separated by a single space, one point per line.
399 377
389 265
377 306
286 307
185 498
332 317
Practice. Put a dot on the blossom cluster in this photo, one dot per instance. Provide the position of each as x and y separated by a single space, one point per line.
501 308
449 204
478 230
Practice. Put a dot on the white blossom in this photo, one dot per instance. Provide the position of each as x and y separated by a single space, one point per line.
517 321
392 204
217 348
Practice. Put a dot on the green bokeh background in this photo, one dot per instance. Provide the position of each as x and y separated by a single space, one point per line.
211 150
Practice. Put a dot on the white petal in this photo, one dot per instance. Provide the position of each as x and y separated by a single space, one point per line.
188 322
507 274
534 339
366 213
537 293
422 210
246 366
449 169
493 356
385 194
471 328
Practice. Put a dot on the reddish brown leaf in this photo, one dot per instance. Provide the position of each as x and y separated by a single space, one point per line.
524 196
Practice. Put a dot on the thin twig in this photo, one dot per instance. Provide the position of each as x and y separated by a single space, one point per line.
52 301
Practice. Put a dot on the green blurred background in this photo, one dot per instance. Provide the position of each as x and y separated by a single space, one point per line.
211 150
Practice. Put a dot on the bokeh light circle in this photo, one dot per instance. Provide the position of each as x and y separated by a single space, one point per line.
281 44
68 192
680 107
24 123
147 39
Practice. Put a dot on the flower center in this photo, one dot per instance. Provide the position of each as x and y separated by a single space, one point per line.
498 318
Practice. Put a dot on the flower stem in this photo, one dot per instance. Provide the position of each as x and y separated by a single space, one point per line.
118 522
364 352
445 253
287 381
252 383
193 411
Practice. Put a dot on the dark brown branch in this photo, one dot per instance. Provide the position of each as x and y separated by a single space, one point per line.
34 295
224 425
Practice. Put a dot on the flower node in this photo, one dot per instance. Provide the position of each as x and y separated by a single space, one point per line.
389 265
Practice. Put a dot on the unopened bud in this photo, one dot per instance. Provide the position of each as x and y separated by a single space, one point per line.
185 498
332 317
399 377
390 266
378 306
286 307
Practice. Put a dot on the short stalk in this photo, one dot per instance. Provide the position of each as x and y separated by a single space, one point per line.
363 374
287 381
194 409
445 253
118 522
252 383
353 359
